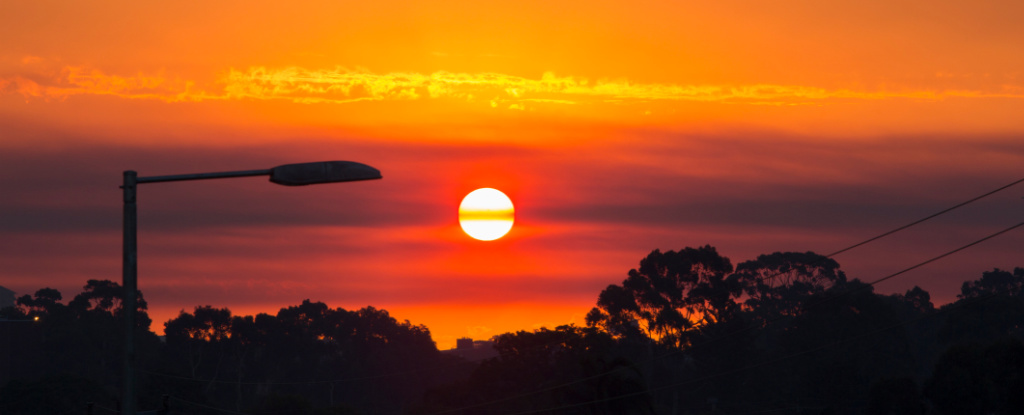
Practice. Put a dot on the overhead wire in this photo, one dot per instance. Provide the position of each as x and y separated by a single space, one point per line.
843 250
887 277
947 253
900 228
559 386
934 215
840 251
871 284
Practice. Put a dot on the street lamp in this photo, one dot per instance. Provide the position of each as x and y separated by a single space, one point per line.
300 174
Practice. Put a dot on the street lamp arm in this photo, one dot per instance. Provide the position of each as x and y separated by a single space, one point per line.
202 176
299 174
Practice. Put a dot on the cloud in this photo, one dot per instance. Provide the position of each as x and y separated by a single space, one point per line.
78 80
341 85
586 217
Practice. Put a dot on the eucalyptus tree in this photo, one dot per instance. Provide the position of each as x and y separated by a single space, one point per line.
668 296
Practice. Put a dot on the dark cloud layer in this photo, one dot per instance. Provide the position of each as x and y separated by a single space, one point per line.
586 214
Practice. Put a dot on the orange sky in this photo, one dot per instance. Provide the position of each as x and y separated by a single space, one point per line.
615 127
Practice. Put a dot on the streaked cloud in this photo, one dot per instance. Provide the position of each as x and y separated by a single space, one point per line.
342 85
77 80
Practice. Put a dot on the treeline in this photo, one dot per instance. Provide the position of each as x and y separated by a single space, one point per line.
685 333
688 333
306 359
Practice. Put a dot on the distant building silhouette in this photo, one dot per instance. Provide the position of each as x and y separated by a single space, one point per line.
471 350
6 297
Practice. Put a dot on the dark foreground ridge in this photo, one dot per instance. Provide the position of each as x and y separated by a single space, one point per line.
685 333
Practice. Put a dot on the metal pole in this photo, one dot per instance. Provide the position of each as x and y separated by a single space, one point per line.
203 176
289 175
129 273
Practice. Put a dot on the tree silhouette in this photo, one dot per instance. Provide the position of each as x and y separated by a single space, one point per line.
576 369
53 394
45 302
80 343
670 294
306 353
778 284
975 380
919 299
842 341
897 396
201 337
989 308
673 337
995 282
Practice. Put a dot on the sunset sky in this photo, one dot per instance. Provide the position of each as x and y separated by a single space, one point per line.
615 127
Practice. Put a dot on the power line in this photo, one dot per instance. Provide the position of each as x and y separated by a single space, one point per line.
554 387
916 222
890 232
942 212
871 284
872 239
948 253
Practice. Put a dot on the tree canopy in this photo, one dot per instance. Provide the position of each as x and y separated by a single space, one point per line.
684 333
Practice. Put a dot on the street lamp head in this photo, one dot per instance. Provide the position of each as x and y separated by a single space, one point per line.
302 174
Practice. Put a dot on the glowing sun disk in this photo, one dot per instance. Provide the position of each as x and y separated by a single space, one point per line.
486 214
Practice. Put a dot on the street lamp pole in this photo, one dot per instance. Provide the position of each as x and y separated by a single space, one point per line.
129 276
300 174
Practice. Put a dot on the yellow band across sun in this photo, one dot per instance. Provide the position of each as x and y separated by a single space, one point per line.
490 214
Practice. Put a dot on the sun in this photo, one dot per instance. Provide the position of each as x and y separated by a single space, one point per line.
486 214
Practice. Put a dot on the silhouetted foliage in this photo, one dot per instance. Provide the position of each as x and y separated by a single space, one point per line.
898 396
82 338
325 356
668 296
845 339
569 370
920 300
53 395
779 284
684 333
45 302
995 282
276 404
989 308
975 379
